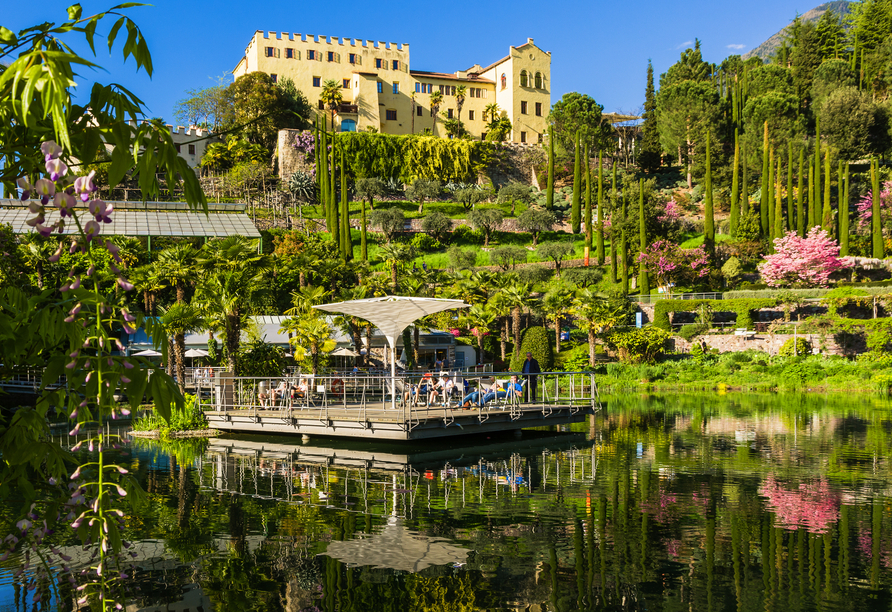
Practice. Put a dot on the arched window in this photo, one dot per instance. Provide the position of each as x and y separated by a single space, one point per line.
523 78
348 125
538 80
504 81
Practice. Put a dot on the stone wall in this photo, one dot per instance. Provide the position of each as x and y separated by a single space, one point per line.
767 343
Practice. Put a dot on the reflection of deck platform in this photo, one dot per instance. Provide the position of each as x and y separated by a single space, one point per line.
373 421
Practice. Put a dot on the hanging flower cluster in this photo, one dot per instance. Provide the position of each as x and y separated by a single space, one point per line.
801 262
94 371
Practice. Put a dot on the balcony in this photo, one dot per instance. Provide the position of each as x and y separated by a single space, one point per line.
347 109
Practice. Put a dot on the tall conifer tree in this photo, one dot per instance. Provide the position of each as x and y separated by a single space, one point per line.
587 217
827 214
735 186
790 216
800 195
879 248
624 240
643 279
844 217
614 237
549 195
766 185
576 201
708 208
649 151
600 220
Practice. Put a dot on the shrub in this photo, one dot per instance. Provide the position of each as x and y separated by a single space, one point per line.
583 277
641 345
424 243
188 418
390 220
437 225
461 259
688 332
795 346
533 274
536 340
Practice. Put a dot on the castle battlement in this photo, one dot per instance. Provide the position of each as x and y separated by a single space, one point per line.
335 40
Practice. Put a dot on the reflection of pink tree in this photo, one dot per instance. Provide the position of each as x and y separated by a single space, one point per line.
813 505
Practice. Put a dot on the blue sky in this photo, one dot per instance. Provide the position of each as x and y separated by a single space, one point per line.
598 48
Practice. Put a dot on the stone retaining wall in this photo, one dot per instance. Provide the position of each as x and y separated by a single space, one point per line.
767 343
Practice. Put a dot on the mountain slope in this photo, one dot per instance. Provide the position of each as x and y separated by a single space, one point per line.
768 47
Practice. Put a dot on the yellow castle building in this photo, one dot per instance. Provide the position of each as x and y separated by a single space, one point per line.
381 91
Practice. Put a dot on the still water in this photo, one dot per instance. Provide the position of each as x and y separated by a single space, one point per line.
694 502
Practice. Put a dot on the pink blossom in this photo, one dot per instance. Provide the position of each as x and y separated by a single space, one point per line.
813 505
801 262
671 213
50 150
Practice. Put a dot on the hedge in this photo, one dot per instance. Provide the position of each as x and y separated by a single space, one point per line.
802 293
743 308
536 340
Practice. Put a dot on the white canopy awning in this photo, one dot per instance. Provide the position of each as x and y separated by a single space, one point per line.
344 352
196 353
392 314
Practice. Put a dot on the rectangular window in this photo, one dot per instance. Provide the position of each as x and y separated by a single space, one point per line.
396 64
352 58
289 53
311 54
317 81
541 139
331 56
441 89
270 52
391 115
453 90
523 137
380 87
470 115
346 84
449 113
274 77
321 105
417 87
418 111
538 109
378 63
523 107
191 149
396 87
178 148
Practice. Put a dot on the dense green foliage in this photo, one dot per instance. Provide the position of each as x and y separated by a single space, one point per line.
742 307
538 341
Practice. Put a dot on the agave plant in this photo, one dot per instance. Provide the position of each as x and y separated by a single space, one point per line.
302 185
394 186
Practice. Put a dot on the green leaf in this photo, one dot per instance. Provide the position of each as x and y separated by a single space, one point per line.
74 12
114 32
136 390
160 396
7 37
53 371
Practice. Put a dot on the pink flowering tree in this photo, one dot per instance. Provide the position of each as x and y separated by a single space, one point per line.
801 262
864 209
667 263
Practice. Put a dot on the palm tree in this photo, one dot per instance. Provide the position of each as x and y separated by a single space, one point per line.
304 299
480 317
502 309
179 320
436 101
394 255
147 280
516 298
555 303
310 335
595 315
460 93
177 265
492 111
332 97
236 279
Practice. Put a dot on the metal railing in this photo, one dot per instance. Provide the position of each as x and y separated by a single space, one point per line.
650 299
409 398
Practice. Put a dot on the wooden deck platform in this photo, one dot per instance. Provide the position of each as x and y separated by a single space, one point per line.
373 421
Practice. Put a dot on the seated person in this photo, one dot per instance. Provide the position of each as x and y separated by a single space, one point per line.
419 390
512 387
444 385
279 391
476 397
299 390
262 394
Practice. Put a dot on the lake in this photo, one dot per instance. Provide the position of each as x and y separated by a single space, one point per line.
662 502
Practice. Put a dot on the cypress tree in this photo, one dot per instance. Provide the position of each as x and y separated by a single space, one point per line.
879 249
576 202
800 195
549 195
332 196
346 237
614 243
735 185
768 205
322 154
827 215
744 185
708 212
763 200
779 202
649 150
844 216
588 206
600 224
790 221
624 239
816 187
810 192
643 280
